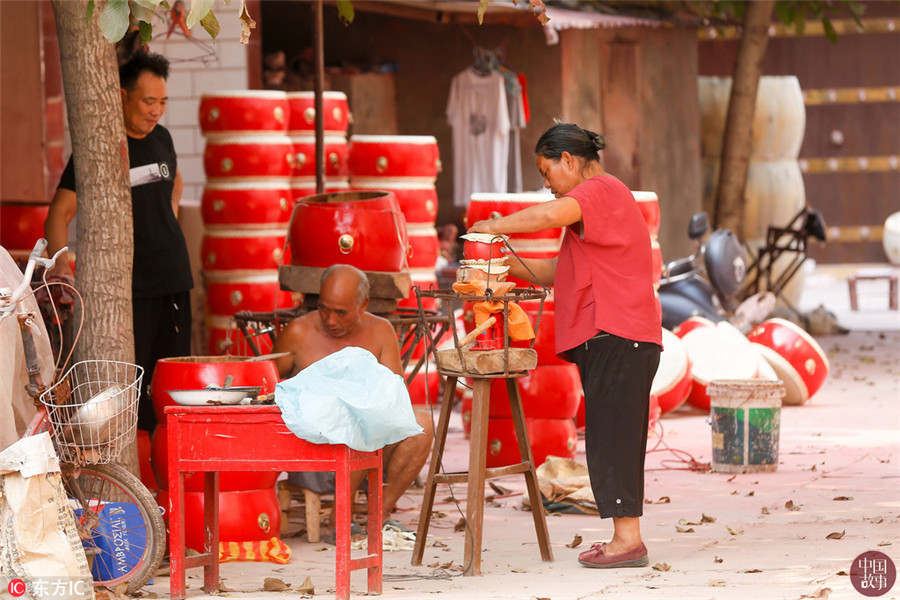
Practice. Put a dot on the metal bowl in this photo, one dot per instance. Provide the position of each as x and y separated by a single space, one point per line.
102 418
214 396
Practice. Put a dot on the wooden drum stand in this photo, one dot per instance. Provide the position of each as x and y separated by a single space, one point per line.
483 366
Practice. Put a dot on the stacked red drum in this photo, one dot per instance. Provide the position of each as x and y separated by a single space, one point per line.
21 225
407 166
648 203
302 132
246 206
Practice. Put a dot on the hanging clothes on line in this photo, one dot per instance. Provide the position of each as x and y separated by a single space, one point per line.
486 147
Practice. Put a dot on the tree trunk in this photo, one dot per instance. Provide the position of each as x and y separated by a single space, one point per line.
105 228
738 136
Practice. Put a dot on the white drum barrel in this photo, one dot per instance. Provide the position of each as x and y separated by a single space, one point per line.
240 203
796 357
335 113
229 157
244 112
407 156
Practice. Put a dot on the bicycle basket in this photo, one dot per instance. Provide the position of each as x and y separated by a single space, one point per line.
92 410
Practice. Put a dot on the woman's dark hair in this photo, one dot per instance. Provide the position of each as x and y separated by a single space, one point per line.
139 62
568 137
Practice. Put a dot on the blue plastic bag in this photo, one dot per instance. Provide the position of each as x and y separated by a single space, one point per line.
347 398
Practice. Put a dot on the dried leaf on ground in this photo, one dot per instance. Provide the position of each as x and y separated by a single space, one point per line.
307 587
434 565
730 479
681 529
819 593
834 535
751 493
576 541
717 583
764 510
223 588
734 531
499 489
322 549
752 571
447 565
791 506
686 522
718 560
273 584
884 543
662 567
842 498
460 525
704 518
438 544
843 573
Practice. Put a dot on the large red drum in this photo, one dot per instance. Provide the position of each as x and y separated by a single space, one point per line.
717 352
547 392
425 279
424 246
545 335
249 249
672 383
304 162
301 187
418 201
244 112
394 156
335 113
229 157
21 225
363 229
224 337
547 437
648 202
228 292
193 482
656 261
489 205
797 358
198 372
234 203
244 516
425 387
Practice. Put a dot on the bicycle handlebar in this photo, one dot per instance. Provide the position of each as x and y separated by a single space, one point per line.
9 300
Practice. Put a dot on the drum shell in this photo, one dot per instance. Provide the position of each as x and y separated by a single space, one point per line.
302 113
228 292
244 112
242 514
547 392
418 201
405 156
21 225
426 279
797 358
556 437
242 249
197 372
485 205
229 157
301 187
425 388
656 261
193 482
224 337
424 247
648 203
246 203
545 335
673 381
370 221
304 156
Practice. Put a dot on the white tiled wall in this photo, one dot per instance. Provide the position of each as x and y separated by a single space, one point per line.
198 66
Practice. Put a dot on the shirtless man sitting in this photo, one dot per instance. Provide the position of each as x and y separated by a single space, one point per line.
342 321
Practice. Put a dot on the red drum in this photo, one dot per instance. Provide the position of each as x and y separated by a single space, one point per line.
249 249
223 337
488 205
547 392
655 411
533 248
228 292
690 324
244 112
425 388
335 113
21 225
197 372
244 516
648 202
228 157
418 201
545 336
246 203
657 261
193 482
466 411
796 357
394 156
426 279
304 162
718 352
424 246
301 187
548 437
364 229
673 382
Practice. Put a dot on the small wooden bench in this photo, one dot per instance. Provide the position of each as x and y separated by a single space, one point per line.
888 275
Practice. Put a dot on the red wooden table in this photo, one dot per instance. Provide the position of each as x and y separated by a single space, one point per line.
254 438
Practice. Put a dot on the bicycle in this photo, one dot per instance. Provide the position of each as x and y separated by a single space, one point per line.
90 413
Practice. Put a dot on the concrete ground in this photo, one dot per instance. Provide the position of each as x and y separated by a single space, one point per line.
791 534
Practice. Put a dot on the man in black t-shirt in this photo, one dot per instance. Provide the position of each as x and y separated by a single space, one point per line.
161 276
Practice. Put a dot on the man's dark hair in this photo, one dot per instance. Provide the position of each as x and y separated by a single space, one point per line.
139 62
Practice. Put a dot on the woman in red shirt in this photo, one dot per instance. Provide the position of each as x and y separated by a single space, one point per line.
607 321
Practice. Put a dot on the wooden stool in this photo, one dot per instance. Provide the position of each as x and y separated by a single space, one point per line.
873 275
477 473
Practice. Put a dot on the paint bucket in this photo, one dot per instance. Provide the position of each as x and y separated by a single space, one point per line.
746 419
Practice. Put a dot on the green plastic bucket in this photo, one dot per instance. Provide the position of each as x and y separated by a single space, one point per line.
745 415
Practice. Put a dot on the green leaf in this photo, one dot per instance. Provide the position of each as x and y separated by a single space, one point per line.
90 12
146 32
211 24
345 11
115 19
482 8
141 12
830 31
145 4
199 9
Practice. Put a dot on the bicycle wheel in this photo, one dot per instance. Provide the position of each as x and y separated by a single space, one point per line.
119 523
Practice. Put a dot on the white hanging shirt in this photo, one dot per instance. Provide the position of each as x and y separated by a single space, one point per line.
478 114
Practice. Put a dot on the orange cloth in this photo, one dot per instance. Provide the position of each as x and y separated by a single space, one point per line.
273 550
519 324
479 288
